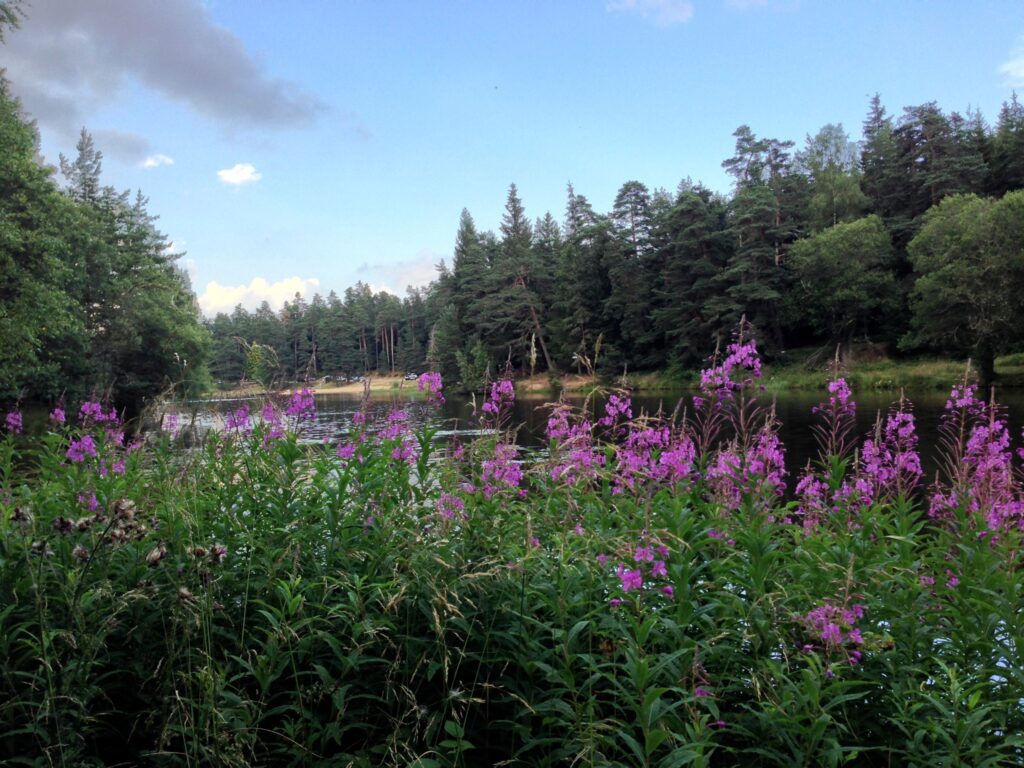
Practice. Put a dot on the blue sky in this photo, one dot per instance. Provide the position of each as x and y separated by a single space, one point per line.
308 145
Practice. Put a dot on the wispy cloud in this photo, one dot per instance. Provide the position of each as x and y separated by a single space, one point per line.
1013 68
224 298
396 277
155 161
72 57
664 13
123 145
240 173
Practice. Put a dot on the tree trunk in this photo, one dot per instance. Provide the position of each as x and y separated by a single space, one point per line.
986 365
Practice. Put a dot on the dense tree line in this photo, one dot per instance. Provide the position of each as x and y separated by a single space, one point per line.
91 299
905 238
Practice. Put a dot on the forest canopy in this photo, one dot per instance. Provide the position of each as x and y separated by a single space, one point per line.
829 243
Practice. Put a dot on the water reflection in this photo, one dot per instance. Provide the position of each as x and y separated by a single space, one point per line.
335 413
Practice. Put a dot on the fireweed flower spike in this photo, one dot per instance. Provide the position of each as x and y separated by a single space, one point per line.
81 448
835 421
502 474
834 628
430 383
93 413
573 453
13 422
302 406
646 572
238 420
499 402
890 464
979 471
273 420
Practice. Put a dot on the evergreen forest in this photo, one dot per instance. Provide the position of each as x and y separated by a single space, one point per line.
910 238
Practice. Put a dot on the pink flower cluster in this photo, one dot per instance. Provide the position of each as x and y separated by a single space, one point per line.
13 422
647 572
273 420
502 474
82 448
617 407
430 383
500 399
302 405
834 629
757 475
980 477
889 465
92 412
574 456
720 380
450 506
238 420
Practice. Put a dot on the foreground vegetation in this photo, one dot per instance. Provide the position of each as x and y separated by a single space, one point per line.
643 595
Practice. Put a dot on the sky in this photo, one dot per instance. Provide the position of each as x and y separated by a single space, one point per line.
304 146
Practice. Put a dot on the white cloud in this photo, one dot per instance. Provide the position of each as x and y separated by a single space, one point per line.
240 173
664 12
223 298
395 277
1013 68
155 161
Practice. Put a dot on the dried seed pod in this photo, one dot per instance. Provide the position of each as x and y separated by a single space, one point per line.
156 554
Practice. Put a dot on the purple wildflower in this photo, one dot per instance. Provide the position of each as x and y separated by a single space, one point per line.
719 380
89 501
501 397
238 420
81 448
615 408
302 405
501 473
834 626
630 579
450 506
92 412
13 422
758 474
978 474
430 383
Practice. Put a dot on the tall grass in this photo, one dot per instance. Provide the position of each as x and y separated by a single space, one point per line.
641 595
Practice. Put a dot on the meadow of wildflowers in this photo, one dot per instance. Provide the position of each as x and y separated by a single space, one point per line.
651 590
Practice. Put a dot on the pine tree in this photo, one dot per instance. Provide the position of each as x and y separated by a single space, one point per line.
1008 149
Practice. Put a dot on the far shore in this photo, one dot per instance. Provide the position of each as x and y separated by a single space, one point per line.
919 374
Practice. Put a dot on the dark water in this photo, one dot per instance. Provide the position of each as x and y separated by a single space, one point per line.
793 409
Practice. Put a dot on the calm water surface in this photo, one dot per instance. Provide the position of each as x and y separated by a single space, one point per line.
794 410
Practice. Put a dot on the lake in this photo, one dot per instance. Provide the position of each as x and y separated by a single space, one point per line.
794 410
